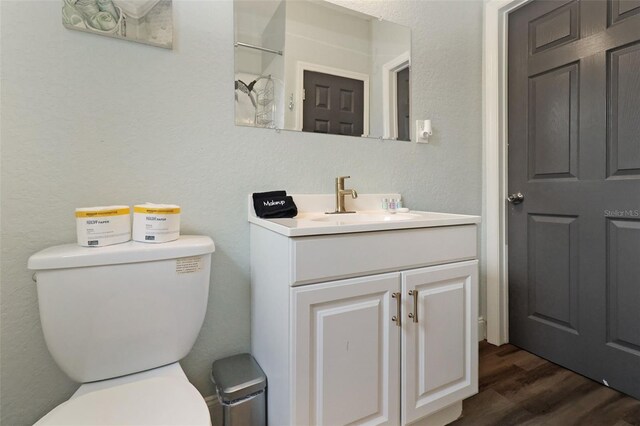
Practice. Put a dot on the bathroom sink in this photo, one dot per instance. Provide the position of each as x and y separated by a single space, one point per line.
364 217
369 217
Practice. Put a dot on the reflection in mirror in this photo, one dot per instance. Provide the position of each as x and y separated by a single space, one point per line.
313 66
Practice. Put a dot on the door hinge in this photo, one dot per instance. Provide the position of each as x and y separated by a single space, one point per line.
304 95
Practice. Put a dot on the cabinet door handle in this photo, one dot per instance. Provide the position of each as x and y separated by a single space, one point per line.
396 318
414 315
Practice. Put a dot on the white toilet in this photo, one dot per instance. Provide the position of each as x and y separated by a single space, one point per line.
118 319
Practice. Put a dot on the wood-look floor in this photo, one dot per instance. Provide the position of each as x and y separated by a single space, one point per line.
519 388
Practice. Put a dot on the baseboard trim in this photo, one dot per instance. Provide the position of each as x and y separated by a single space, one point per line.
482 329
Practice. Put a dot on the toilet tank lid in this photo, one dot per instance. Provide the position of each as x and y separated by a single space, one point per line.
75 256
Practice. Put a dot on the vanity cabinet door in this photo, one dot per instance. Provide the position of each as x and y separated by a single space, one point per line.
346 352
439 337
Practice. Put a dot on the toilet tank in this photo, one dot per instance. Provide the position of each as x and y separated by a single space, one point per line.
121 309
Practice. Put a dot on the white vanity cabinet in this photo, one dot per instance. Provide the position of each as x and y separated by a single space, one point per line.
337 343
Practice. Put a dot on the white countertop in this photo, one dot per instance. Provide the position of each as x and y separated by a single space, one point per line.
312 220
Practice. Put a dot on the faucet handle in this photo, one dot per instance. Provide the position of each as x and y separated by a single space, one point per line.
342 178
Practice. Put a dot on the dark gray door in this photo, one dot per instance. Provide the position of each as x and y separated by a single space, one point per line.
402 104
574 153
332 104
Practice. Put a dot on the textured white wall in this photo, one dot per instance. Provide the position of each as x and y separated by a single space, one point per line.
88 120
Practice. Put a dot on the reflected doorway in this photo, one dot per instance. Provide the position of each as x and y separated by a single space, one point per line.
333 104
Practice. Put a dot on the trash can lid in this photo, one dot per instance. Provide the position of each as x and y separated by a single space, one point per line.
237 377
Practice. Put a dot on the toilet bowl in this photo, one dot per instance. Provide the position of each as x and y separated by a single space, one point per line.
162 396
117 319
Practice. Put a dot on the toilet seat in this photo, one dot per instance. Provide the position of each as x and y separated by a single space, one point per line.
150 401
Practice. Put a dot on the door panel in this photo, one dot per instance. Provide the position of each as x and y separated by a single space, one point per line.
443 309
346 356
624 111
621 9
574 152
439 351
553 270
555 28
553 119
623 290
626 6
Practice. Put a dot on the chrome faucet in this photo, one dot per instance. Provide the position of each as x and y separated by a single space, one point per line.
340 193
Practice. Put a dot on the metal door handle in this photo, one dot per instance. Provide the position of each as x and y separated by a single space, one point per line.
396 318
516 198
414 315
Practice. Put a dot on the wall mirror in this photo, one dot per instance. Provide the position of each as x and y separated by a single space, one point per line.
313 66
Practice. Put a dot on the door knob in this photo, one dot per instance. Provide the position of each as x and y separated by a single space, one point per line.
516 198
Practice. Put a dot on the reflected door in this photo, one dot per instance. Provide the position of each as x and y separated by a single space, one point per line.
403 104
574 153
333 104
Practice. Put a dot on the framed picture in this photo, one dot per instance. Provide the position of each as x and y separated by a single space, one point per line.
144 21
